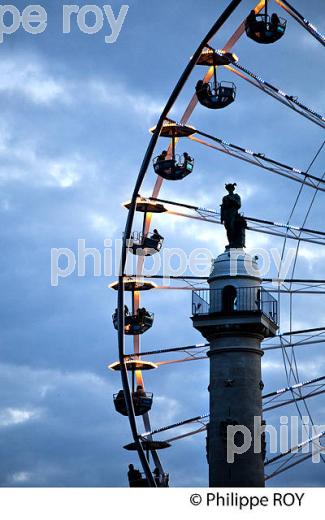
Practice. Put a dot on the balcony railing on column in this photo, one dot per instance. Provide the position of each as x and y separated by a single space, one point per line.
232 299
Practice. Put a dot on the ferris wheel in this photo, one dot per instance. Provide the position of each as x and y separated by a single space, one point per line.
263 26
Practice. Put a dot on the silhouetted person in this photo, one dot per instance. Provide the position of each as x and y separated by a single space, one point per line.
275 20
251 18
126 310
187 157
156 235
142 313
156 473
202 88
199 85
120 395
140 392
134 475
163 156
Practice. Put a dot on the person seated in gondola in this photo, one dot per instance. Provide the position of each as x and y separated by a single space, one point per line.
140 391
203 88
134 475
275 21
187 157
162 156
199 85
156 474
141 314
126 312
156 236
251 19
120 394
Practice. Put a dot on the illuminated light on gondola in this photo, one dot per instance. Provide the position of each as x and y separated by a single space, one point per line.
145 206
133 284
133 365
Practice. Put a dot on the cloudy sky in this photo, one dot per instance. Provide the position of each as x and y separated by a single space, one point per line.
74 122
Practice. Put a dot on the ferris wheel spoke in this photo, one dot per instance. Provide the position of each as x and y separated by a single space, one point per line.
294 400
296 448
198 346
273 285
197 418
311 28
286 466
188 434
260 160
296 286
271 396
205 417
267 227
278 94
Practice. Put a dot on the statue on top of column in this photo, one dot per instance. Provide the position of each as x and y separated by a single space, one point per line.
233 221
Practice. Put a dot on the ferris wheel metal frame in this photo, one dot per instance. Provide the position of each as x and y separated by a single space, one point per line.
287 341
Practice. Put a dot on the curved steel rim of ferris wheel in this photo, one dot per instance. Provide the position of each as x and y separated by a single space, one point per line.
148 155
128 229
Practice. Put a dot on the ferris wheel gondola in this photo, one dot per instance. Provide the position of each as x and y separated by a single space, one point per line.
135 324
214 94
174 168
263 28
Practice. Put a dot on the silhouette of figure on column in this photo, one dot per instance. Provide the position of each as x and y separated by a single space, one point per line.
234 223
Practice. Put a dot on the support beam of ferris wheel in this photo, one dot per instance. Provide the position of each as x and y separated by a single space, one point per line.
260 160
296 286
257 225
200 418
311 28
289 100
301 338
294 463
309 337
202 351
294 400
296 448
273 286
205 417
